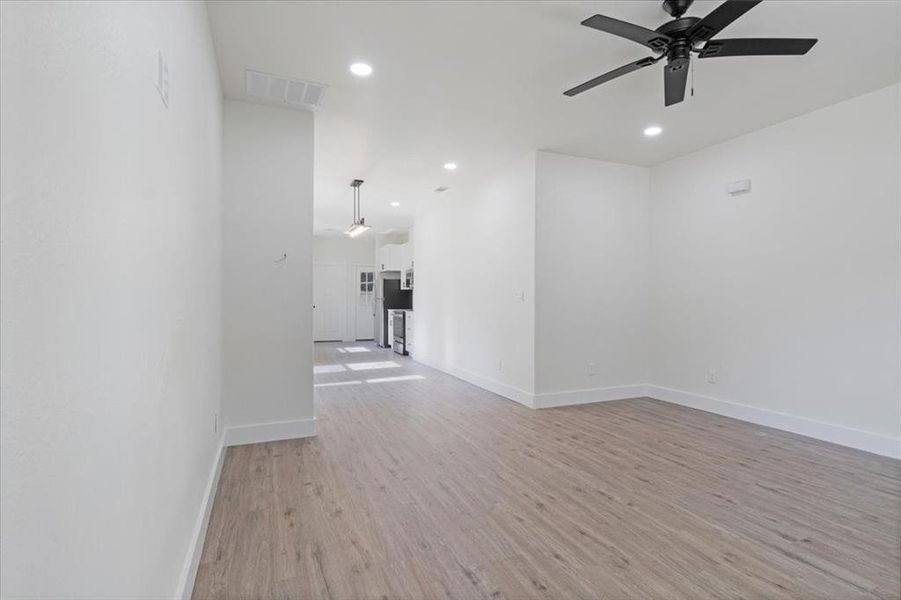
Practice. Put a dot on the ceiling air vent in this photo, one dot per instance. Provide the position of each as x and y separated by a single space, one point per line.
281 90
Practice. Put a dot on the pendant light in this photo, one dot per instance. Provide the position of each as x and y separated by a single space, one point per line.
359 225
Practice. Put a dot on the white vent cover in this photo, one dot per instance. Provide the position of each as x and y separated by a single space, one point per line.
281 90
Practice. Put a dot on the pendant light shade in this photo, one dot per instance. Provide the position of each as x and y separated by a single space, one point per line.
359 225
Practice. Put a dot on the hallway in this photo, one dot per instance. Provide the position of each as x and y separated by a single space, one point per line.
419 485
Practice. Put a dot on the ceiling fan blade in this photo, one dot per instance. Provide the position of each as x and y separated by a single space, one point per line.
674 78
646 37
757 47
719 18
644 62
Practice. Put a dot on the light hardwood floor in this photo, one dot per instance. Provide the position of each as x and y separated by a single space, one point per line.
433 488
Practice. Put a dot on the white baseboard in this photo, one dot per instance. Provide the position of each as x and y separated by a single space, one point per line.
837 434
270 432
233 436
884 445
501 389
198 535
605 394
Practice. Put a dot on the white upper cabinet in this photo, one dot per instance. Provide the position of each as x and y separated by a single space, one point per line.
391 257
404 257
395 257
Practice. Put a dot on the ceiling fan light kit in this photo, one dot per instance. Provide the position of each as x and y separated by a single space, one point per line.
677 39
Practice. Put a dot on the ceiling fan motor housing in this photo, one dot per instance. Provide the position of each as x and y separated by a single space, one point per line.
678 56
678 28
678 52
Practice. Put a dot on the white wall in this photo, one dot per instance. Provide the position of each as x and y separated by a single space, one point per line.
267 306
353 252
110 287
790 292
475 280
591 268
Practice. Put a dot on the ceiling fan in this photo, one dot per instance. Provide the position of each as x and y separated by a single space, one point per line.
675 40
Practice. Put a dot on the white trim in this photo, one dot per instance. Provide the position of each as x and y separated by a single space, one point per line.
270 432
198 536
837 434
605 394
232 436
884 445
501 389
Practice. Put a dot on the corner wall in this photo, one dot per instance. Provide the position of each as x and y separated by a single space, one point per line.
475 281
791 293
110 270
267 306
591 275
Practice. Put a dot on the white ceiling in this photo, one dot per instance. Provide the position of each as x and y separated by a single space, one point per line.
481 83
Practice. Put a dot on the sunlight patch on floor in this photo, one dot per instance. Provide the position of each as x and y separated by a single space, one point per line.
367 366
337 383
398 378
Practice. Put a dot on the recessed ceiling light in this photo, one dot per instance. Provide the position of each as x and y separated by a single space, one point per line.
653 130
395 204
451 166
361 69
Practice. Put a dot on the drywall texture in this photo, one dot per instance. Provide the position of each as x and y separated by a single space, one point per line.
591 269
790 292
353 253
475 281
110 287
267 306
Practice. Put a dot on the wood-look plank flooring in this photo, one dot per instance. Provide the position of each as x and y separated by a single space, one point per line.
433 488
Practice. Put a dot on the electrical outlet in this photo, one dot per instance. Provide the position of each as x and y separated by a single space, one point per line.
591 369
712 375
215 422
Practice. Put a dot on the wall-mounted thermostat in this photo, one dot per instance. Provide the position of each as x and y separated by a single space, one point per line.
739 187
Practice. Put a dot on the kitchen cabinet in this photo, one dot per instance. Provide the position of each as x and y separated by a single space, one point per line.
389 257
395 257
403 257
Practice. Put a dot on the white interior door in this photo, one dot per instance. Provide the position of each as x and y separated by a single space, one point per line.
328 301
364 297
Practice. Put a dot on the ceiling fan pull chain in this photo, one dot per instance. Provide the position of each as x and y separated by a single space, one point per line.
692 79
